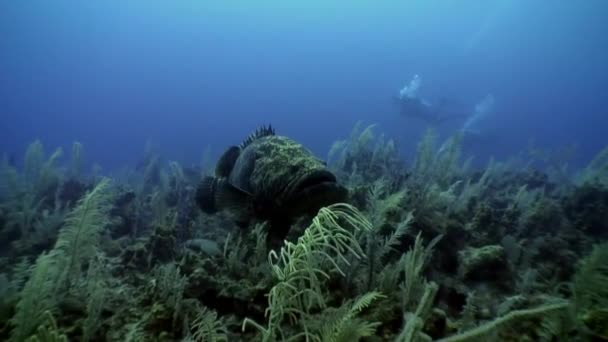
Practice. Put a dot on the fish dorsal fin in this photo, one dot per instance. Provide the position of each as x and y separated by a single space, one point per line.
226 162
261 132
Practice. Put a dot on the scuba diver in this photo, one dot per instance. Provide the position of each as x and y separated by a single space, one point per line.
412 106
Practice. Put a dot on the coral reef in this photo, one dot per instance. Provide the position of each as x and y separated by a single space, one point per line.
427 250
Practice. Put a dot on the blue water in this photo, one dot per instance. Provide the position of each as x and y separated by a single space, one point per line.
188 74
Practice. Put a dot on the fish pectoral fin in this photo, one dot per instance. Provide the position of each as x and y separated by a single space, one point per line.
214 194
205 195
237 201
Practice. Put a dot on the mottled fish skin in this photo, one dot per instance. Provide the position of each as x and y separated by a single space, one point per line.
270 178
280 163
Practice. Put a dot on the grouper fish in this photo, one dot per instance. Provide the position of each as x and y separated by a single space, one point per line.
269 178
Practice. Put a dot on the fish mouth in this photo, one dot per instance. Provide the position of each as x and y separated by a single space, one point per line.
315 190
313 179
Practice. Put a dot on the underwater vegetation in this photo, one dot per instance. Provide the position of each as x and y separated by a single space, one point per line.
432 249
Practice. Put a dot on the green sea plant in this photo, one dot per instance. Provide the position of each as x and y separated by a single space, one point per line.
379 242
364 157
135 332
168 288
586 313
40 172
48 331
381 202
590 302
414 262
555 163
470 189
414 320
596 171
247 256
242 265
11 285
30 197
436 181
97 293
342 324
417 295
77 160
10 182
345 279
38 227
24 212
441 165
358 143
488 330
78 239
47 226
207 327
37 297
301 268
60 270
